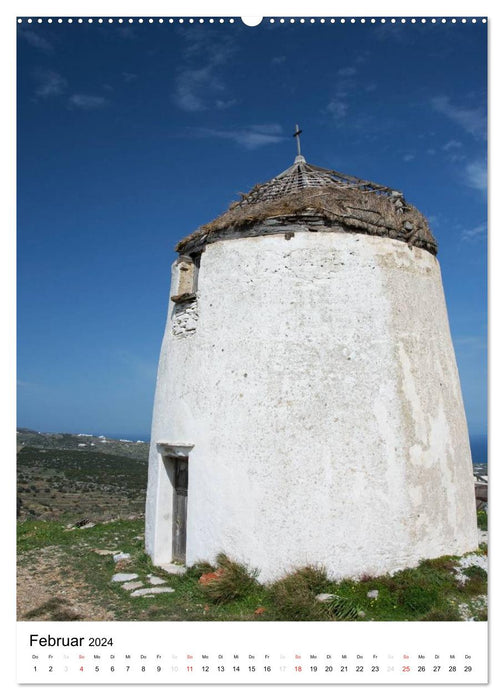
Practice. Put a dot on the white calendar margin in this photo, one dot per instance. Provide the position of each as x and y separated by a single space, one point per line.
285 652
258 8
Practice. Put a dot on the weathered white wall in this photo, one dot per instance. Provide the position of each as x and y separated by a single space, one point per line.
321 394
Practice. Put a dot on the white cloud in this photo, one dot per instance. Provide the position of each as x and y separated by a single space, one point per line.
267 128
346 86
475 233
36 40
199 83
190 83
249 137
472 120
408 157
50 83
347 71
87 101
451 145
362 56
474 342
337 108
225 104
21 384
475 175
197 90
388 31
457 157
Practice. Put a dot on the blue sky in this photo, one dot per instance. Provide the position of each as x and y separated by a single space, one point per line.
130 136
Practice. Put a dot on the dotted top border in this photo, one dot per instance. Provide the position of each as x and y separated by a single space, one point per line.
268 20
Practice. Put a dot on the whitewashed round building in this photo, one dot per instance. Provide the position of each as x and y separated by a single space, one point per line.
308 408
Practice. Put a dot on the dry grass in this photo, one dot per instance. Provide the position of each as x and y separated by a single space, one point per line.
353 209
233 581
294 595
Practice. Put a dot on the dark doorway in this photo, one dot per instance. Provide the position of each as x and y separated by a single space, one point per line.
179 532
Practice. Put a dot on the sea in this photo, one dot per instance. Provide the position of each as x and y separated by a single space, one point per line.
479 448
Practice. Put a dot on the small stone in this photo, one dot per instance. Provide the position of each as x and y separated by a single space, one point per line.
149 591
323 597
121 556
119 578
176 569
104 552
361 613
87 525
373 594
155 580
82 522
132 585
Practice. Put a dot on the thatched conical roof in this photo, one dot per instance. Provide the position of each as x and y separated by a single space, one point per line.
316 198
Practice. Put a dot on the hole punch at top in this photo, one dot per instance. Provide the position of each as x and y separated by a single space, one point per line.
252 21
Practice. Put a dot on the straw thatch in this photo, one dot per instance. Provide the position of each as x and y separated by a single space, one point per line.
354 205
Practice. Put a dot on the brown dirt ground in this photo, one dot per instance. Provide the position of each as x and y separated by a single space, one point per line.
46 592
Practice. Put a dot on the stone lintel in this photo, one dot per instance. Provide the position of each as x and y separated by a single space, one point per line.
167 449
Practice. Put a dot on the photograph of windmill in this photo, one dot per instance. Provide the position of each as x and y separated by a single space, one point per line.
252 320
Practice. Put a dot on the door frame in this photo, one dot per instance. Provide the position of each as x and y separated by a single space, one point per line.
169 453
180 495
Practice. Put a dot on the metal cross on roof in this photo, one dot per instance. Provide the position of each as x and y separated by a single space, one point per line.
296 136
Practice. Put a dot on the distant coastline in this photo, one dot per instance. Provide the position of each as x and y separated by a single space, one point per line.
479 444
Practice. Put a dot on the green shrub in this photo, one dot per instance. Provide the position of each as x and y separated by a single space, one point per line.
313 577
341 609
294 595
199 568
234 581
482 517
446 563
293 600
475 571
440 615
418 599
477 582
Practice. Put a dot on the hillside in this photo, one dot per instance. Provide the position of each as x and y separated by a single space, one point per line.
87 443
76 477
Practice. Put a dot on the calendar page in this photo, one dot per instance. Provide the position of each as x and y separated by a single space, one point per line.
252 437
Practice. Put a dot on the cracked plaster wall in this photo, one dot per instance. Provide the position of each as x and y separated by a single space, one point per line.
321 393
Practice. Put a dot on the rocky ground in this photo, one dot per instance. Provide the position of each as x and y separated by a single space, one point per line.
47 589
